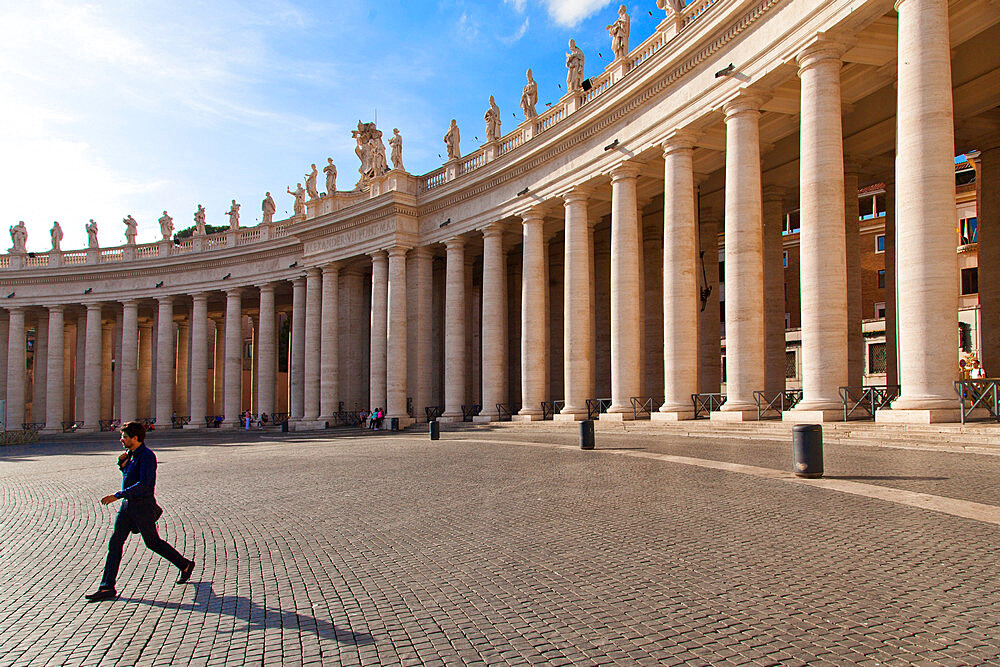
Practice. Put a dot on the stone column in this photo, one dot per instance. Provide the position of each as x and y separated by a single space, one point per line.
296 369
709 335
39 367
454 331
93 370
16 365
774 289
218 333
578 306
395 378
144 371
988 213
681 300
165 343
181 384
107 361
330 344
267 355
891 342
351 371
129 361
232 385
744 261
314 302
625 297
4 328
925 218
852 243
822 247
534 354
54 371
379 330
419 355
494 328
80 367
199 361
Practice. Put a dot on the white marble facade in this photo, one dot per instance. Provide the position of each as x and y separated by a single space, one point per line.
560 261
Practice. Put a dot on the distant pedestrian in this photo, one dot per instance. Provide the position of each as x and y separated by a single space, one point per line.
138 513
977 372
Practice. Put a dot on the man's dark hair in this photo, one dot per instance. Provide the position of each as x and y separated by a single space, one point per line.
134 430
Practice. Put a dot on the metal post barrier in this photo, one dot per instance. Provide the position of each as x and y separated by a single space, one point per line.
587 434
807 447
435 430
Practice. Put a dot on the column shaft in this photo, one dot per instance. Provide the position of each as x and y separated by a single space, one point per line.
744 262
107 361
395 379
314 302
494 326
181 382
54 372
93 370
625 297
199 360
39 385
267 355
420 314
680 281
578 306
233 385
379 331
774 290
534 354
16 365
129 361
454 331
296 369
165 345
330 344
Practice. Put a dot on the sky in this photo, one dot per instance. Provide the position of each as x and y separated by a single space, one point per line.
135 107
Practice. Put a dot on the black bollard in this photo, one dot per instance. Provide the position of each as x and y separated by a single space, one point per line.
807 446
587 434
435 430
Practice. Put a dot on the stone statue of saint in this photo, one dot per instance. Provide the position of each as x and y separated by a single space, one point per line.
574 67
676 6
379 163
199 221
492 119
131 227
529 97
268 208
363 151
92 234
619 33
311 183
331 176
451 140
234 215
57 236
19 236
396 149
300 199
166 226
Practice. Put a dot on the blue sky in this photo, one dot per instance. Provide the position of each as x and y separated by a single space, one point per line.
127 107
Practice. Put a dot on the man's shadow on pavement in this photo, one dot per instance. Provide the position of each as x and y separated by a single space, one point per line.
257 616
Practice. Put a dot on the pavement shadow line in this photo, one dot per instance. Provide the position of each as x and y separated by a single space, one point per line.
257 616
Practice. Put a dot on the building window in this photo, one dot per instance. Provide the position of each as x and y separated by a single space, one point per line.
788 321
880 310
970 280
881 278
876 358
880 243
791 223
968 231
790 365
784 259
722 272
723 368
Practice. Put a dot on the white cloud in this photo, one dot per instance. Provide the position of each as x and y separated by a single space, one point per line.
570 12
517 4
510 39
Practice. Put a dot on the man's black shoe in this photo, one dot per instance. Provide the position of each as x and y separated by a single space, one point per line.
186 573
101 594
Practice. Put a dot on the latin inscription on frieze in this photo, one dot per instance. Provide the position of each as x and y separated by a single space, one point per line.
351 237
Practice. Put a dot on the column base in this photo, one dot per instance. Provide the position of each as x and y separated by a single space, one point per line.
734 416
88 429
796 416
671 415
194 426
450 419
569 416
404 421
934 416
306 425
51 431
616 417
526 417
483 419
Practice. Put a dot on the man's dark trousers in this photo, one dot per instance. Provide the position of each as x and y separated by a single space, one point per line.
124 525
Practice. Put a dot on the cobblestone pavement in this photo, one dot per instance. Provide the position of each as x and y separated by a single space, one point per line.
393 549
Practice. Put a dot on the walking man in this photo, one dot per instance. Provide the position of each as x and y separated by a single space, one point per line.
138 513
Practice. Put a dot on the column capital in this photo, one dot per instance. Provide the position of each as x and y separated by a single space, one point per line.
234 292
55 306
746 102
263 287
820 49
15 309
626 170
492 230
94 305
577 193
398 250
199 297
297 280
313 272
532 215
167 299
454 242
378 255
130 303
333 268
678 140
